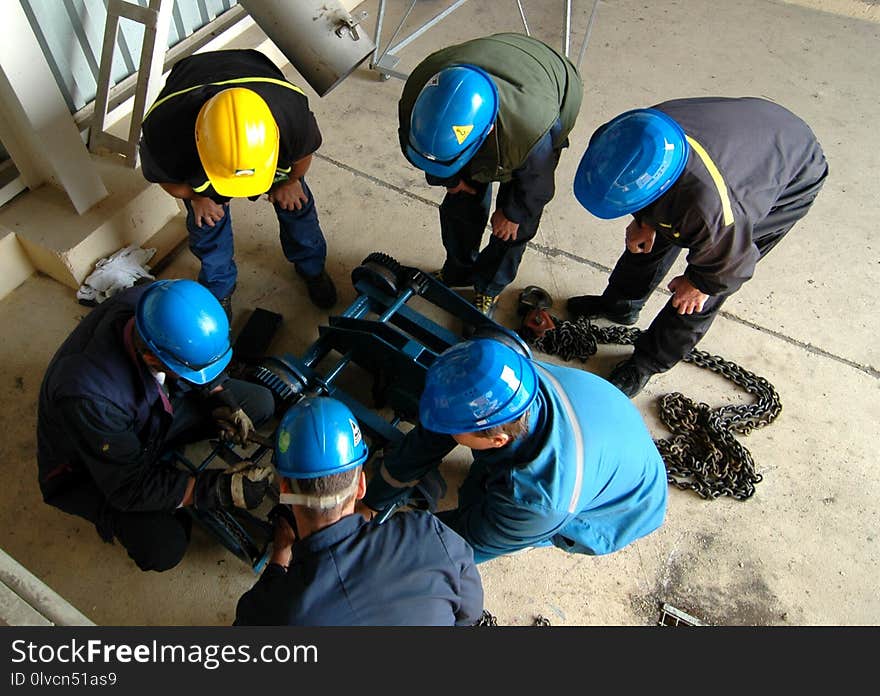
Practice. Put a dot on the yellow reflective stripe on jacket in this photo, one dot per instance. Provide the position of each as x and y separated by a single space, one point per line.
726 208
199 189
236 81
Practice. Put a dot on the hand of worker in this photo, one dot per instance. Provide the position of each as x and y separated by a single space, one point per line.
460 187
244 485
282 542
234 424
289 195
503 228
639 238
685 297
206 211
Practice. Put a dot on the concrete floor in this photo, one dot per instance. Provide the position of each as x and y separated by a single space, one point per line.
802 551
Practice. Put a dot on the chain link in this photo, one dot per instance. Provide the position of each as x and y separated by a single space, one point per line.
702 453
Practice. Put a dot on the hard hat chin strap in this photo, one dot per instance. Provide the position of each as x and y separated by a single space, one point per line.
318 502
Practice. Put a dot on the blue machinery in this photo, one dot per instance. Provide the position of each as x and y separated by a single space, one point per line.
390 341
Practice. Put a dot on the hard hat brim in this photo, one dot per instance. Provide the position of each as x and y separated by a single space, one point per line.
242 186
199 377
443 170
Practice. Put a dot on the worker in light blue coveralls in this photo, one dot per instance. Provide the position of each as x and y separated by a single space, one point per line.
560 456
227 124
332 567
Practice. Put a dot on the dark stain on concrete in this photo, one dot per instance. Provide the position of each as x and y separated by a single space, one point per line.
696 582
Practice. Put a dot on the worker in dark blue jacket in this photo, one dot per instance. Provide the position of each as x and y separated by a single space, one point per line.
332 567
560 457
725 178
142 373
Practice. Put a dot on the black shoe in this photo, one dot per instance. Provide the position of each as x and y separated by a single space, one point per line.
630 377
595 306
226 303
322 291
486 304
458 280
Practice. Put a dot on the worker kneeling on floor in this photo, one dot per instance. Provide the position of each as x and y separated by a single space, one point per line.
332 567
144 373
560 456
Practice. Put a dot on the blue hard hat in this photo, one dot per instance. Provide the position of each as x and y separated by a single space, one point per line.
318 436
476 385
185 326
451 118
630 162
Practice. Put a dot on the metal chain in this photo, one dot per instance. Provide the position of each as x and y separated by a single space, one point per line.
703 453
489 619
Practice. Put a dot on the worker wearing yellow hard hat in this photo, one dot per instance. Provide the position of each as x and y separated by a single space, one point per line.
228 125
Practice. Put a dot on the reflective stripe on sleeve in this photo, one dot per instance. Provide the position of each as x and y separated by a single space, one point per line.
726 208
578 440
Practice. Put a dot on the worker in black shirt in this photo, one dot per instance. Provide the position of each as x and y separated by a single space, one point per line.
141 374
228 124
724 178
332 567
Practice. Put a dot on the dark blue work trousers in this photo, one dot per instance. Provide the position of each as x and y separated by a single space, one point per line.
302 241
463 220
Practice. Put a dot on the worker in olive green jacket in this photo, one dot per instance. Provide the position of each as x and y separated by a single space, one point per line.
497 108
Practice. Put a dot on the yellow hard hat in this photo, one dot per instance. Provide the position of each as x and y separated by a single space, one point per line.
237 140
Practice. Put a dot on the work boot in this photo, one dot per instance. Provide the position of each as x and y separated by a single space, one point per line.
630 376
226 303
595 306
486 304
322 291
457 280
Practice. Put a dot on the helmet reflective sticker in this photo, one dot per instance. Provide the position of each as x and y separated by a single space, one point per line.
355 431
508 376
462 132
283 441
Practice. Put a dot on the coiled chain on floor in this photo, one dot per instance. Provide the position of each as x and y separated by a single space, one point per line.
703 453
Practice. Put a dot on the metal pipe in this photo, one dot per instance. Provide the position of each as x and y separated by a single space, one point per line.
396 31
380 17
567 25
587 35
522 15
427 25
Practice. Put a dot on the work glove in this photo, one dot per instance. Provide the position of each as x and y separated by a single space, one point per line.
244 485
235 425
428 492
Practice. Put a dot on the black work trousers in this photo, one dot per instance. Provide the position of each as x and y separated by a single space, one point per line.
463 220
671 335
158 539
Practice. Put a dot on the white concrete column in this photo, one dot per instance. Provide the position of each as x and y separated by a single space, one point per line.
36 125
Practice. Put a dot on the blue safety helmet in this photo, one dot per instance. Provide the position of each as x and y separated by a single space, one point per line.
185 326
318 436
451 118
630 162
476 385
